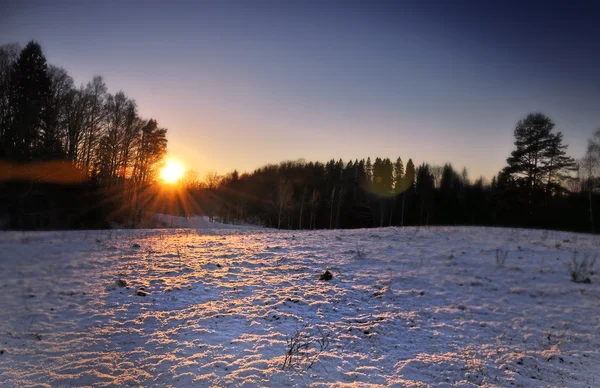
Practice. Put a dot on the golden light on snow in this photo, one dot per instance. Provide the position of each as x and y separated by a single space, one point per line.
172 171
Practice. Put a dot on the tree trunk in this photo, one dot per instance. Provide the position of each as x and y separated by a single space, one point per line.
332 206
301 208
339 208
393 209
591 212
279 216
402 214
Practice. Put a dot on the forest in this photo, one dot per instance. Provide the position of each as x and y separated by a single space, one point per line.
80 157
541 187
72 156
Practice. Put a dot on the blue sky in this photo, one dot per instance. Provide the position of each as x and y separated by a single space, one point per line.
243 83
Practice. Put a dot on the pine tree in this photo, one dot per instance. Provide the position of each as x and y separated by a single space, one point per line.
556 163
30 97
425 186
397 185
539 161
407 184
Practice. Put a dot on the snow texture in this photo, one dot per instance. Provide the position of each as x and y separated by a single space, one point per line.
246 307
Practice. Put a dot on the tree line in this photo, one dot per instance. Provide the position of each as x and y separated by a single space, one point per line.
100 139
541 187
44 116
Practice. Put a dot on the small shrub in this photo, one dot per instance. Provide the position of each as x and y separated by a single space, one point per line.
556 336
360 253
305 347
581 270
501 256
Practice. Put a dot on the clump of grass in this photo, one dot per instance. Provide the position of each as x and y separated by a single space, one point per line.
360 253
582 270
304 348
501 256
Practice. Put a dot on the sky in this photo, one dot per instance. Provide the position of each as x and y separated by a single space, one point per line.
240 84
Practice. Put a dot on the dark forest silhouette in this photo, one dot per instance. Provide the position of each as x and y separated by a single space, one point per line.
536 189
106 148
80 157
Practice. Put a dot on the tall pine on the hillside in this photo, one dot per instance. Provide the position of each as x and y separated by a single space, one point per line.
539 161
407 183
397 185
30 96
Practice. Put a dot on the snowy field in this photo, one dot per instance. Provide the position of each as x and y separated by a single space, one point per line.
406 307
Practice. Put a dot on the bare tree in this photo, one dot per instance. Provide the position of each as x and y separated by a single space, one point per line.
314 201
332 207
191 180
589 168
94 121
8 56
340 200
212 180
436 172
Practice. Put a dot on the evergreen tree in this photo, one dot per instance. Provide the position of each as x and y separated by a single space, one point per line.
425 187
556 164
406 186
539 161
397 185
30 97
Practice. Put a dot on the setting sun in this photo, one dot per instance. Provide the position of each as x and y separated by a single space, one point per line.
172 171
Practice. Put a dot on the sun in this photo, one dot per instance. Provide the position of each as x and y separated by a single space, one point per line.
172 171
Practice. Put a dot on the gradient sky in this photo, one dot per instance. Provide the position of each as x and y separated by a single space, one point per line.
243 83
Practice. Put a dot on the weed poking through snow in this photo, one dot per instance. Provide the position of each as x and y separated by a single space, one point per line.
305 347
360 253
501 256
582 270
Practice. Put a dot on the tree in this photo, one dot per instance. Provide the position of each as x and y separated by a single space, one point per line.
590 171
151 149
539 161
407 184
55 129
30 97
397 185
464 176
95 96
284 198
557 164
111 144
451 186
382 185
425 187
9 54
191 180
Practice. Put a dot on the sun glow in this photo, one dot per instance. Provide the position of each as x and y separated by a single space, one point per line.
172 171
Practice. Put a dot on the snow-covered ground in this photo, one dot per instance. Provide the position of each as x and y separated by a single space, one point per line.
405 307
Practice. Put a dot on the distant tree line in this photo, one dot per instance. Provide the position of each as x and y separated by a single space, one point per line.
45 117
105 158
541 187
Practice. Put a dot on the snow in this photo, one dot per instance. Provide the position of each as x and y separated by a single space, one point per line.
406 307
196 222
